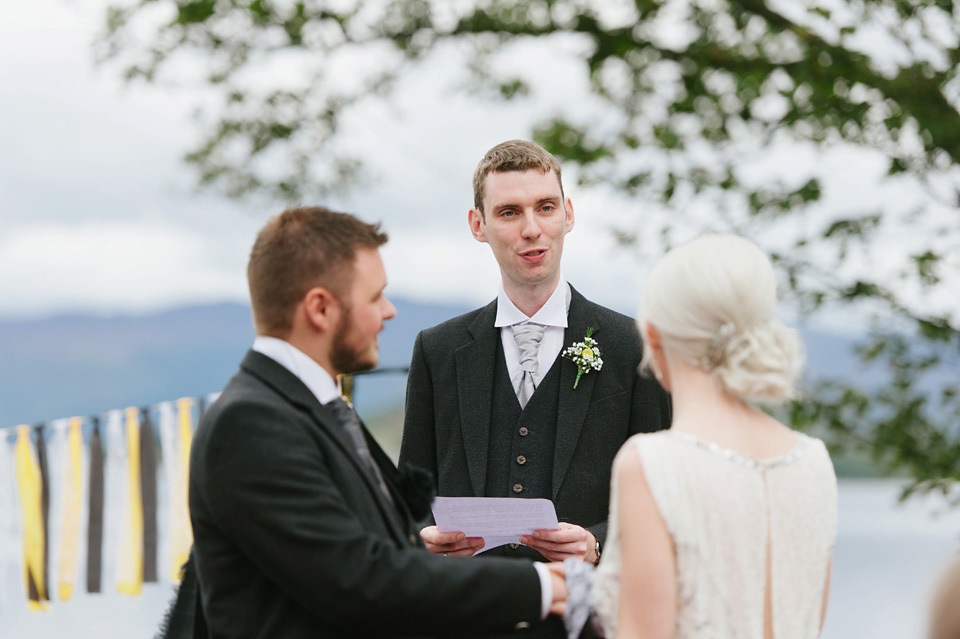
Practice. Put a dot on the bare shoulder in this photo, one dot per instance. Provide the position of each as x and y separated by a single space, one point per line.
629 474
776 430
635 495
632 451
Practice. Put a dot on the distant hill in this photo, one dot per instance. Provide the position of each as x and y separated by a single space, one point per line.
84 364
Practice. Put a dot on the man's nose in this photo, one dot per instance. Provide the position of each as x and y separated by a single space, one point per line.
389 310
531 225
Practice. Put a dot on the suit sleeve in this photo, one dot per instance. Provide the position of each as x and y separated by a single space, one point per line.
418 445
293 509
650 410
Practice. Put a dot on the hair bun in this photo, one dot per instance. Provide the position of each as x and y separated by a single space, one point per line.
761 361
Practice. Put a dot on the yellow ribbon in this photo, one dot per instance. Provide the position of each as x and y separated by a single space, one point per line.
70 526
130 565
181 532
29 489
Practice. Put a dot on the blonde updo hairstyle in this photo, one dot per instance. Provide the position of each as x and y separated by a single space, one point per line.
712 301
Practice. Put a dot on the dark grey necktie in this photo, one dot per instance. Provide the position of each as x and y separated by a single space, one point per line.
351 424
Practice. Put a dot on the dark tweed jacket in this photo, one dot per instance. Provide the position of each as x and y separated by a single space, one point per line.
447 423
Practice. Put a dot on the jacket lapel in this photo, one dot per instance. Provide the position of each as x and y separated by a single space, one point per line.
293 390
330 424
475 366
573 404
398 513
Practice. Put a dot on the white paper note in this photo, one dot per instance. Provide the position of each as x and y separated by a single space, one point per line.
499 520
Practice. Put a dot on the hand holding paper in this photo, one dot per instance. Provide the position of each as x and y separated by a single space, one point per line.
450 543
570 542
498 520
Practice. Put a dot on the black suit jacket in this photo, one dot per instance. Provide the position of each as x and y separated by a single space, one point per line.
448 410
294 538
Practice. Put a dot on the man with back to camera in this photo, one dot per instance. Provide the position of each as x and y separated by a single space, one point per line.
491 406
302 526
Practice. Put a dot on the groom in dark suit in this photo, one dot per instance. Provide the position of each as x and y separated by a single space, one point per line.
302 525
493 408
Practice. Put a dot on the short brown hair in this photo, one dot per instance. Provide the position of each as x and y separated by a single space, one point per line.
297 250
512 155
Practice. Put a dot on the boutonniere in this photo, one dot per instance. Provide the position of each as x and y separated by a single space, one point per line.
585 354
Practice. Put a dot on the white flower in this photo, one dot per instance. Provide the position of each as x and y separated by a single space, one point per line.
585 354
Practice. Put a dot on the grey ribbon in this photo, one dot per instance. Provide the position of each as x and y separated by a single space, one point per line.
95 510
351 424
148 497
528 337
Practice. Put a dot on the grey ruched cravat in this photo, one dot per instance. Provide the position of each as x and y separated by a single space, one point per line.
528 338
351 424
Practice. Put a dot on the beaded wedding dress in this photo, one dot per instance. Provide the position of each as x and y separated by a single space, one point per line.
722 509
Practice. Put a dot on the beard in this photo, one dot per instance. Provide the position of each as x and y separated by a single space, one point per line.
346 356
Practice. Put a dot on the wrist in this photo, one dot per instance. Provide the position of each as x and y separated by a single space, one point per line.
595 558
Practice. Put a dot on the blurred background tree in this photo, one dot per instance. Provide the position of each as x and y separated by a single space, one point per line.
702 114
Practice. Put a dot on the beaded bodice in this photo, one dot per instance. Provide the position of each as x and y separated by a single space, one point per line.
721 508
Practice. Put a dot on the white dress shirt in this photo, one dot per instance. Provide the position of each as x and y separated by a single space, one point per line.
324 388
552 316
313 375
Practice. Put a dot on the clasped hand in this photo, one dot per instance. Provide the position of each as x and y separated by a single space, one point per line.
569 542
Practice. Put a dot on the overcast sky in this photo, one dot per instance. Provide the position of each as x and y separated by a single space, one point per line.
99 214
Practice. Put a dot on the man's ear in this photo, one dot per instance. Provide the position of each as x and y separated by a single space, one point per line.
568 209
477 225
321 309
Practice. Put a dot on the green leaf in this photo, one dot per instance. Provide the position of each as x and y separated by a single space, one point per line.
570 143
514 88
927 264
195 11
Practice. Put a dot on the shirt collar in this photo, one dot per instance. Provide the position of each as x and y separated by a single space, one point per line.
314 376
552 313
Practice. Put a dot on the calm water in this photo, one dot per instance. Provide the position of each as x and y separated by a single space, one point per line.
887 558
885 563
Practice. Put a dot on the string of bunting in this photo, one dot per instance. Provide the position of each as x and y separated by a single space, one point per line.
99 500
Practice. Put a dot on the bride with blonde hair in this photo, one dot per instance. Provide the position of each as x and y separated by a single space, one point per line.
723 526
